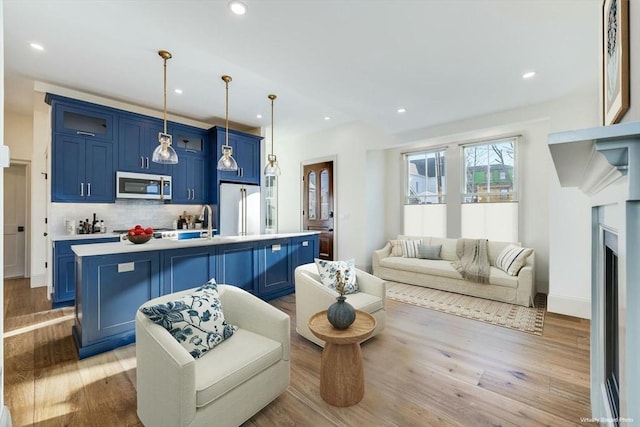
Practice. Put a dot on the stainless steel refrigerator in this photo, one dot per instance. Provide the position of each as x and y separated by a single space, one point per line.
239 209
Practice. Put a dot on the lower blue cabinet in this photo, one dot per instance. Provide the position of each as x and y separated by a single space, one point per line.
64 269
187 268
237 266
109 289
274 269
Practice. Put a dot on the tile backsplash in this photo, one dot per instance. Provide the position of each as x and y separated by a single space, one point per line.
123 214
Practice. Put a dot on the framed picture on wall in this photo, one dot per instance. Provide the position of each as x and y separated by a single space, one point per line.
615 60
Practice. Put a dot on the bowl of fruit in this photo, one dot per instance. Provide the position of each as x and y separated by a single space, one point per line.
139 234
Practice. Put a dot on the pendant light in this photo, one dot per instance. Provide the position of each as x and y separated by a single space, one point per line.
164 152
272 168
227 163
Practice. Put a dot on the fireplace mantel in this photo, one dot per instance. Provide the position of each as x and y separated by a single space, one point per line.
592 159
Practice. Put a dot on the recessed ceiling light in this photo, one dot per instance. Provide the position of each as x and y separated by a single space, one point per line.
401 110
327 118
528 75
36 46
259 116
178 91
238 7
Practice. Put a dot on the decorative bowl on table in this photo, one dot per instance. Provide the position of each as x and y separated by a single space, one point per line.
139 238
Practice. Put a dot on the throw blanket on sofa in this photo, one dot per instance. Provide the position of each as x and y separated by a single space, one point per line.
473 261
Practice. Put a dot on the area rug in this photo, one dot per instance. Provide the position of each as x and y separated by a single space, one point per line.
525 319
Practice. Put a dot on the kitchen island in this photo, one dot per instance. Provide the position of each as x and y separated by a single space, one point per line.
114 279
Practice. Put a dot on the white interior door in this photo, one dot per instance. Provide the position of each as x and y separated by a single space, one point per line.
15 186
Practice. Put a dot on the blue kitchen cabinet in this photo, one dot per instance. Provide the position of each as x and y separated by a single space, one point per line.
274 268
190 178
187 268
79 118
64 269
246 151
304 250
83 170
237 265
110 289
137 138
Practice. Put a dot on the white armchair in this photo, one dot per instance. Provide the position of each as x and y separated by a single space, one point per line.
312 296
228 384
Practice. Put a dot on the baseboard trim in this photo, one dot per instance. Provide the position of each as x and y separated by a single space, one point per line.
570 306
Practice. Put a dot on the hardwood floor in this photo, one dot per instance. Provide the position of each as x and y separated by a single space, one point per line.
425 369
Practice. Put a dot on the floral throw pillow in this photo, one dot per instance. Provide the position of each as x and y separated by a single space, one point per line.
196 320
328 269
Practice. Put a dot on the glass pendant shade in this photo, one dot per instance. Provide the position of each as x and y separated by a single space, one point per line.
164 152
227 163
272 168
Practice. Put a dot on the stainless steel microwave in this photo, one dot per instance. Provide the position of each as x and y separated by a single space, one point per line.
130 185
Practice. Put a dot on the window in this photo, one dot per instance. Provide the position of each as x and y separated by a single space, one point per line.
490 171
425 179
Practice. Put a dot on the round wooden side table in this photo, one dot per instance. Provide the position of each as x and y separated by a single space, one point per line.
341 369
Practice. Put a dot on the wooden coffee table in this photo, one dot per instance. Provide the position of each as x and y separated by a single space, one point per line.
341 370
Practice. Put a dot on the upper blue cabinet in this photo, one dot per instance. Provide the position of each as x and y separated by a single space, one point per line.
190 174
246 151
137 138
83 152
81 119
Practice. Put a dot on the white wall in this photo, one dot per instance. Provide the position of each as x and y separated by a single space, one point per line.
18 135
353 147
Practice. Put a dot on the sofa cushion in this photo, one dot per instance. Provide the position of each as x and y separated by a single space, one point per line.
233 362
424 266
396 248
429 251
196 320
328 271
410 248
512 259
448 251
365 302
500 278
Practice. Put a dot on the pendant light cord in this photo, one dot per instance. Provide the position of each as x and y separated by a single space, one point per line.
165 95
226 79
272 97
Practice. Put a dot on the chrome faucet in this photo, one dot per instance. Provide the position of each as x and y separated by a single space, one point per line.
209 221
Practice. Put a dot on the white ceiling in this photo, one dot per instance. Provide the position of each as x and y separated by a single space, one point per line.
352 60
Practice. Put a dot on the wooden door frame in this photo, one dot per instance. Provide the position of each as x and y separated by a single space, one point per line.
336 209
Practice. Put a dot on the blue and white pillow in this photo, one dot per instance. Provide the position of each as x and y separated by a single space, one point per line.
196 320
328 269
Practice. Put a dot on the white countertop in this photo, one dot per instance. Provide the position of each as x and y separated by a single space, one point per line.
84 236
164 244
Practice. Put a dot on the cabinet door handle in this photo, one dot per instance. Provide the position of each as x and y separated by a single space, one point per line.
147 162
88 189
79 132
142 162
82 189
193 193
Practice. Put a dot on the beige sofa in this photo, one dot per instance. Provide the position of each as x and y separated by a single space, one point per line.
440 274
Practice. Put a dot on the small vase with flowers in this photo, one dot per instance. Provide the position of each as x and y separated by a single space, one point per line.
341 314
